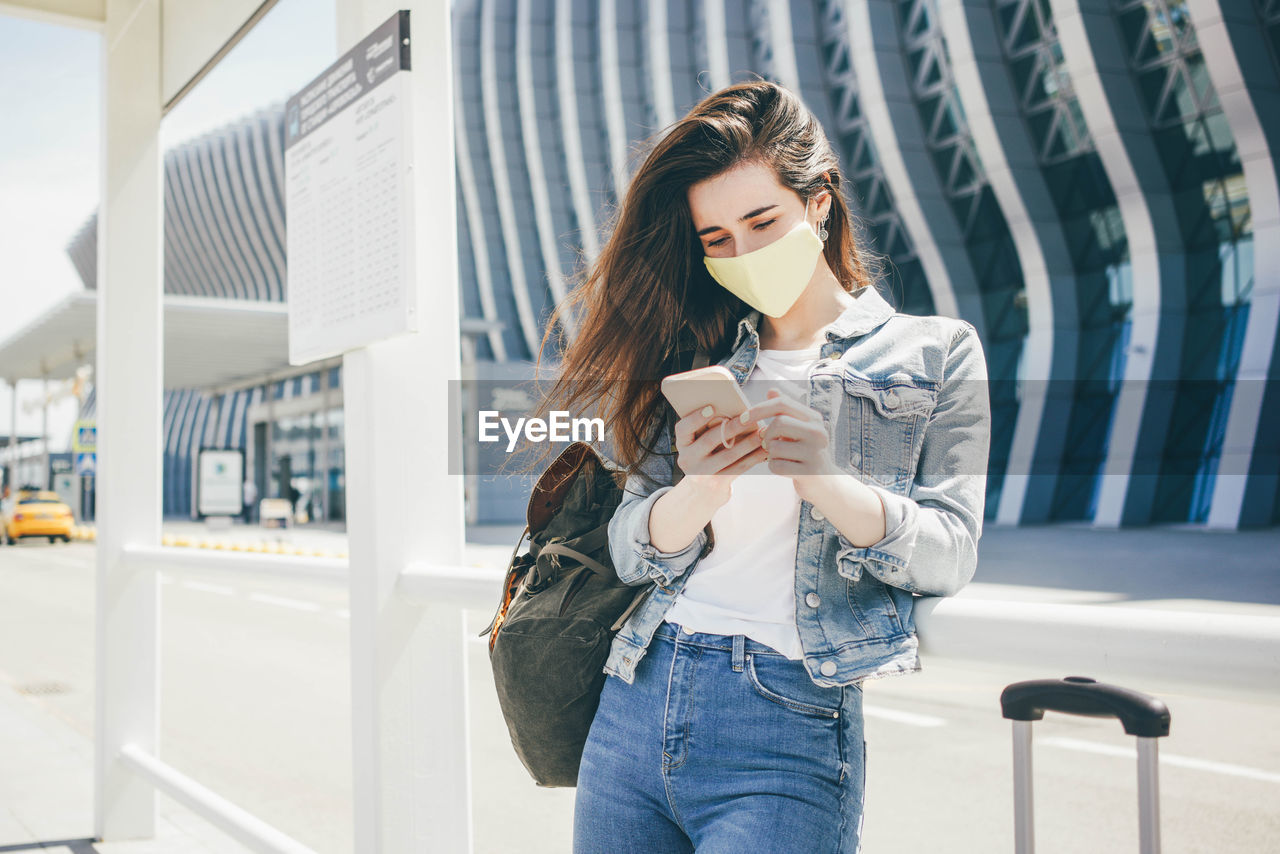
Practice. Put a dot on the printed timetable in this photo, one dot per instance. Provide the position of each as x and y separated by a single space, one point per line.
349 200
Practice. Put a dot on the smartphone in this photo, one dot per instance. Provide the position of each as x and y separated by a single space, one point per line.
691 390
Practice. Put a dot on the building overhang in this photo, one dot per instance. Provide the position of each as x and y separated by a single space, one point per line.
208 342
87 14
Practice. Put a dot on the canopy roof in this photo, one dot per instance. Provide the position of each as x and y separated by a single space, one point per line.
208 342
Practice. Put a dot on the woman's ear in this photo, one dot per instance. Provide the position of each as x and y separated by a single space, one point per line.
820 210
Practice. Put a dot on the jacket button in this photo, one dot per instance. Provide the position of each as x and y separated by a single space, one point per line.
828 668
813 600
816 514
891 399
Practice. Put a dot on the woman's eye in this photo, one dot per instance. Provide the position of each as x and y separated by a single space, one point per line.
757 227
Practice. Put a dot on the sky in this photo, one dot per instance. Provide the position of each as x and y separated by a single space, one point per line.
49 150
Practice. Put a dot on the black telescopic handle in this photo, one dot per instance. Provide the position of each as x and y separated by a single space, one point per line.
1140 714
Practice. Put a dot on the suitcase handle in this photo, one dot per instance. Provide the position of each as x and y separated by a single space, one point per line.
1140 714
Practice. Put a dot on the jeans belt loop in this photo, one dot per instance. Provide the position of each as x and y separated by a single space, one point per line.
739 652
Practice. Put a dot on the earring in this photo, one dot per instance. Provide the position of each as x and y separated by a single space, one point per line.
822 229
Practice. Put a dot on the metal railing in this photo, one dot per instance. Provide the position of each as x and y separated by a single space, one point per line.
458 588
1226 650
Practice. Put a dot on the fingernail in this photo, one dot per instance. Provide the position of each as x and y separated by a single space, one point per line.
746 417
708 410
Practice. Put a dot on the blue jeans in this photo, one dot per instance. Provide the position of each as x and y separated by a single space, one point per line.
722 745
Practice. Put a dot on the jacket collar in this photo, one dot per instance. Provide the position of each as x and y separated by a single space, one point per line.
868 311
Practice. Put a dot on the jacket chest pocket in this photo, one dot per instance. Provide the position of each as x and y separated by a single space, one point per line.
885 419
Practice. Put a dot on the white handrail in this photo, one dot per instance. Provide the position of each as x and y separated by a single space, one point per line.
328 570
243 826
1239 651
463 586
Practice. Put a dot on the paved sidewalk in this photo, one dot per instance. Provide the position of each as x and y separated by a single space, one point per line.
46 765
46 791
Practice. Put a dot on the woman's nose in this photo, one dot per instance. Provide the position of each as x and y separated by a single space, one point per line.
748 242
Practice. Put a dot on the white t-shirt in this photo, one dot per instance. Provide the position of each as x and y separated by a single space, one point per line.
746 585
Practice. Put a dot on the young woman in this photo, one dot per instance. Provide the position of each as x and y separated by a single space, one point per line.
731 719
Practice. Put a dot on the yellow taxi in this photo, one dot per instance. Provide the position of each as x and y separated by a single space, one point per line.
36 513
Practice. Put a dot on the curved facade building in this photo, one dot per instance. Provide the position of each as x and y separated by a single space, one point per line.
1093 186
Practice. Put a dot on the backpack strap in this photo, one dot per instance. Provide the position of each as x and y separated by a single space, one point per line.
635 603
589 562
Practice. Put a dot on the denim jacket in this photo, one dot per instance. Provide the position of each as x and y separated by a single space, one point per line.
904 398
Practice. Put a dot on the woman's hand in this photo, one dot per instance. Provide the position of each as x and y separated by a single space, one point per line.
795 440
704 456
709 468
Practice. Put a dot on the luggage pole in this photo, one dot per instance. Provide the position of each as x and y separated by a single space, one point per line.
1149 795
1023 804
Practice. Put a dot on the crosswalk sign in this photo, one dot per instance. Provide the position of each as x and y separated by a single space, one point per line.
86 463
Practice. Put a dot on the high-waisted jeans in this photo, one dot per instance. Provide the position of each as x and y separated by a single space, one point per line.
724 746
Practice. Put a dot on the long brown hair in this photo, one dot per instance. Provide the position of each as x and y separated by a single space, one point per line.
648 301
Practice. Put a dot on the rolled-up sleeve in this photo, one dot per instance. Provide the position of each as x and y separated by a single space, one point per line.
635 558
931 536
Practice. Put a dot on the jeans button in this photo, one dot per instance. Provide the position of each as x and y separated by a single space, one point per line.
856 458
828 668
816 514
813 600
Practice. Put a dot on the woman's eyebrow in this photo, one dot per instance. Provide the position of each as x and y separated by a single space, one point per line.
742 218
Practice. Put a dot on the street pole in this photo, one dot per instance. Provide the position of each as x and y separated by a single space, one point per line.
11 470
44 433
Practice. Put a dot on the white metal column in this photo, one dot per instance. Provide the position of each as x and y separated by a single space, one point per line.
412 783
130 353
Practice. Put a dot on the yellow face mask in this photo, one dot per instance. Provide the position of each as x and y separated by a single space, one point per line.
771 278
